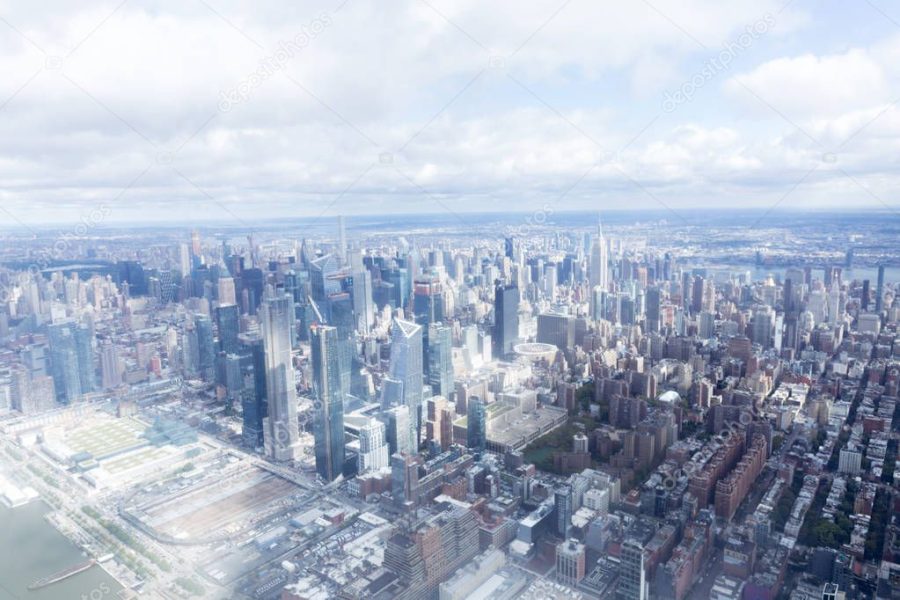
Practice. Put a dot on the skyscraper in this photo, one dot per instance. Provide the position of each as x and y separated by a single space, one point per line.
506 318
71 360
879 290
562 499
253 396
440 359
599 268
228 322
653 299
206 347
373 446
763 323
428 300
476 424
342 240
280 426
407 368
328 424
226 293
110 365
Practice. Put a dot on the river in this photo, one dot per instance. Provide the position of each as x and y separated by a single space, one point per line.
31 548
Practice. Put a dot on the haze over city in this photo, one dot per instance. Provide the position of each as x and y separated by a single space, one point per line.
449 300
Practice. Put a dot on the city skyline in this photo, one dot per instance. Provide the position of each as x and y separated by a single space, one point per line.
450 300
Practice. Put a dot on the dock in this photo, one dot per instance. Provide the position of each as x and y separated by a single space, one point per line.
61 575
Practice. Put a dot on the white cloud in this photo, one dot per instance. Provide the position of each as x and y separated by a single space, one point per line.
382 74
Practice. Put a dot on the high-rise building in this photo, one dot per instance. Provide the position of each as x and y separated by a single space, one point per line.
879 290
110 365
697 294
206 347
397 427
440 359
476 424
632 572
226 292
428 300
328 424
363 303
570 562
506 319
407 369
556 329
280 427
253 396
342 240
562 499
404 479
763 324
599 268
373 446
228 323
654 301
864 296
71 360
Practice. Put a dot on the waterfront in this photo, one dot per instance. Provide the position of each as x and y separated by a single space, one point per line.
32 548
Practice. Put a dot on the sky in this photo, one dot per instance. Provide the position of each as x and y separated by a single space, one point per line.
217 110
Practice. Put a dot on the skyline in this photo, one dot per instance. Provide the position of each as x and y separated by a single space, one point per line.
166 112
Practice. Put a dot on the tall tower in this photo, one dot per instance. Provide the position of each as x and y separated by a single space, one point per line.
506 318
653 300
280 429
328 424
879 290
407 369
599 271
110 365
70 360
342 241
440 359
476 424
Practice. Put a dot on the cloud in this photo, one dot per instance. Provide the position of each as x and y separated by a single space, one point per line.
496 105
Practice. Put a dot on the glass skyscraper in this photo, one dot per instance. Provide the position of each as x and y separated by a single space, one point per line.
281 430
71 359
407 368
328 423
440 359
506 319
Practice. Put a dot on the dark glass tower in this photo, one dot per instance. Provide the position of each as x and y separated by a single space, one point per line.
228 322
328 426
476 424
440 359
506 318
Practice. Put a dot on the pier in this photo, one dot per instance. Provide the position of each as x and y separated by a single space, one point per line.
62 575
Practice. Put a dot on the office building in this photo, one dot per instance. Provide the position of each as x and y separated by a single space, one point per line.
570 562
281 427
632 572
476 424
506 319
440 360
328 421
407 370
